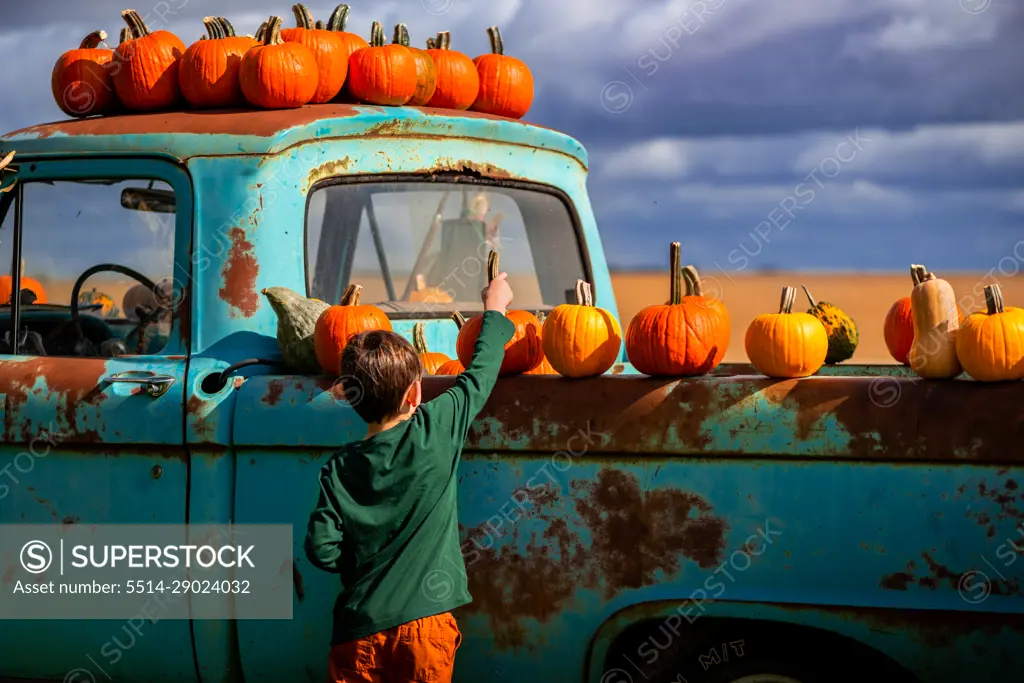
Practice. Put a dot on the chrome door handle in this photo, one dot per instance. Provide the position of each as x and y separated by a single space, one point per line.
156 385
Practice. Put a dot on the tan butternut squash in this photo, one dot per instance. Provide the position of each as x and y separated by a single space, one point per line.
936 320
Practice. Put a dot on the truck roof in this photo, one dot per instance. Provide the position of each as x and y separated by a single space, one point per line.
186 134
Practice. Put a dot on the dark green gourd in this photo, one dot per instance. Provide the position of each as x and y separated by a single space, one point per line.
296 320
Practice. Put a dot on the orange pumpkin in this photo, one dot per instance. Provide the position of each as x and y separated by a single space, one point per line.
329 49
147 77
382 74
338 324
452 367
208 74
990 344
29 283
506 83
458 81
276 74
523 352
898 329
81 82
426 71
431 360
245 43
545 367
688 336
433 295
786 344
581 340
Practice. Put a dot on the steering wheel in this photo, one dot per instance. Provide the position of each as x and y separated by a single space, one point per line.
144 319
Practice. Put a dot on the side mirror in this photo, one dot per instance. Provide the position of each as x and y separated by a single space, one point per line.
148 199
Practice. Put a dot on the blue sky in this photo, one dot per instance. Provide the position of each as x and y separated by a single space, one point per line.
807 134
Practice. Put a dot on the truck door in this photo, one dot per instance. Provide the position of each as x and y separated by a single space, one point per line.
93 408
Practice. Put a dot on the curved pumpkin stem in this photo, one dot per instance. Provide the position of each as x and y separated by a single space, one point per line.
492 266
125 36
401 36
994 299
261 32
320 26
920 274
814 304
135 23
229 30
584 295
338 19
376 35
419 339
497 47
272 36
443 40
93 40
213 28
459 319
431 45
694 287
303 19
788 298
352 293
676 288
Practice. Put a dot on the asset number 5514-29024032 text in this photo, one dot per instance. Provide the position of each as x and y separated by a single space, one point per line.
194 586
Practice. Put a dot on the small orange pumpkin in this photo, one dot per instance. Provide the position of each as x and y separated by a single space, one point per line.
27 283
581 340
990 343
329 49
276 74
452 367
686 337
338 324
430 359
382 74
147 75
426 71
506 83
208 74
433 295
458 81
523 352
81 81
545 367
352 42
786 344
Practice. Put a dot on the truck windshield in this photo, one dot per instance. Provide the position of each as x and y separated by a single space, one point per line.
419 248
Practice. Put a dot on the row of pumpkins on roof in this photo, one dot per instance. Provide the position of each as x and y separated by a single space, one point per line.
281 68
686 336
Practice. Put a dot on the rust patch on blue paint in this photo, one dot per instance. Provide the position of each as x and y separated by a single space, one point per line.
239 275
326 170
274 390
70 383
635 538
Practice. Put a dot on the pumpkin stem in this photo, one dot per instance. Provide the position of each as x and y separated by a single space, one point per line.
443 40
810 298
353 292
261 32
125 36
213 28
339 17
497 47
492 266
421 282
419 340
135 23
227 27
93 40
303 19
459 319
788 298
320 24
431 45
273 32
994 299
376 35
676 288
401 35
694 287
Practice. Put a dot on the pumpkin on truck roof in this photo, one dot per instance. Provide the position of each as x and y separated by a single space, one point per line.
186 134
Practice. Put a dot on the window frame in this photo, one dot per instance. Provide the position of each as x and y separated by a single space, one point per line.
118 167
455 179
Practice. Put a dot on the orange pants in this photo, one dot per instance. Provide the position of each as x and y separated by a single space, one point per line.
422 651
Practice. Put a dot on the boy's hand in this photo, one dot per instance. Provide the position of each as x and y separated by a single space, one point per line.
497 295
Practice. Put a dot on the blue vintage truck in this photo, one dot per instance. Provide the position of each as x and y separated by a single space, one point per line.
857 525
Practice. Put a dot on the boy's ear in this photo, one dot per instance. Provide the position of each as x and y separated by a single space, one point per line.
414 396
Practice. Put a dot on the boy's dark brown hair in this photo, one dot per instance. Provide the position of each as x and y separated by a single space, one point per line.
377 367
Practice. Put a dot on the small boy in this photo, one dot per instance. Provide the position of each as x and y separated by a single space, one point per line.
387 521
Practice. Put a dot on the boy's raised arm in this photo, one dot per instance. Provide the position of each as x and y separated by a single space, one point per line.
324 532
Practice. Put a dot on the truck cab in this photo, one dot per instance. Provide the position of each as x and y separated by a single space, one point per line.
619 528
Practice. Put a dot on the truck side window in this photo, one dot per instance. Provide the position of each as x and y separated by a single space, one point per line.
69 229
421 247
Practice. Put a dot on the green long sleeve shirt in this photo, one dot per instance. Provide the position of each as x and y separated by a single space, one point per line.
387 521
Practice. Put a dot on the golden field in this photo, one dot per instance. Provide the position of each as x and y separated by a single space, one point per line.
865 297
